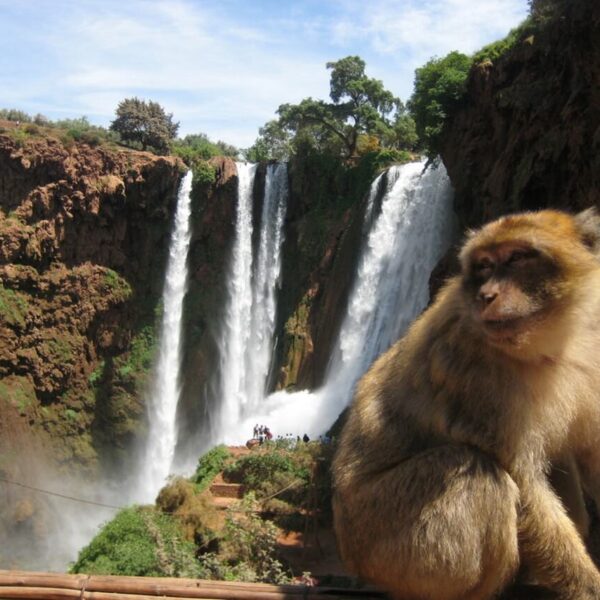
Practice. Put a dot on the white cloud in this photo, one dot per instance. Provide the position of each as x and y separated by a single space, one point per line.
427 28
224 68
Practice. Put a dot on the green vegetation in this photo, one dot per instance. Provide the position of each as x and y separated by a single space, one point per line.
203 174
139 541
439 87
18 391
146 124
61 350
268 472
193 508
248 548
183 535
209 465
197 147
14 114
13 306
117 284
140 357
492 52
362 116
67 130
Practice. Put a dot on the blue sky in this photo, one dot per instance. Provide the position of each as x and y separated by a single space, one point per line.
222 67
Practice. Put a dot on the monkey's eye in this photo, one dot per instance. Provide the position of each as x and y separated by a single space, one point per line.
483 267
520 256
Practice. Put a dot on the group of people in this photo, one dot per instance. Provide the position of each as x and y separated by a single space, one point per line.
262 433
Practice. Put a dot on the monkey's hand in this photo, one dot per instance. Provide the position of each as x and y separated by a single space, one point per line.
550 544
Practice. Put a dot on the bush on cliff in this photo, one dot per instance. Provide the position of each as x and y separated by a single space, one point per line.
492 52
198 146
139 541
440 84
194 510
209 465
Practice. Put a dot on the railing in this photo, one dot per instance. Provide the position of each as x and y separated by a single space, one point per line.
19 585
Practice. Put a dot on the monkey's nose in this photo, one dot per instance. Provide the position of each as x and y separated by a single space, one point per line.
487 297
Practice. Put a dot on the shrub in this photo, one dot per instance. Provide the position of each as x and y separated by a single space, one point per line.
139 542
209 465
13 114
204 173
271 472
32 129
198 146
117 284
249 546
194 511
140 358
495 50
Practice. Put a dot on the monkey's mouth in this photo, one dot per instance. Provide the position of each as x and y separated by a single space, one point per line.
503 328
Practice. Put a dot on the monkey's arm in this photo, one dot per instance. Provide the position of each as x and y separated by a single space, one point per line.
567 482
589 466
550 543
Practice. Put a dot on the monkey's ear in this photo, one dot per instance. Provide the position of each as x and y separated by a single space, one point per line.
588 224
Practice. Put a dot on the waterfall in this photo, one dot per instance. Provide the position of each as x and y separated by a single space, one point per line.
403 243
162 406
247 341
265 283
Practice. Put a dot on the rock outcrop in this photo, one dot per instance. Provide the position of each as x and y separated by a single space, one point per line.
528 133
83 240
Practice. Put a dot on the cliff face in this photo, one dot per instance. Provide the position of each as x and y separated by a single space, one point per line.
83 239
528 134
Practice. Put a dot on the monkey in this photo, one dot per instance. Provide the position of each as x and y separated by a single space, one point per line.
441 487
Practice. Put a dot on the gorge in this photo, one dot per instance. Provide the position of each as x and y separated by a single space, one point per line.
298 275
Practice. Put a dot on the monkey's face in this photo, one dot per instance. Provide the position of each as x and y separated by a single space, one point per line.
508 287
520 275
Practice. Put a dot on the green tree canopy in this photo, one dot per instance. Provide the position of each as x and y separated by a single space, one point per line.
439 86
359 105
145 123
198 146
274 142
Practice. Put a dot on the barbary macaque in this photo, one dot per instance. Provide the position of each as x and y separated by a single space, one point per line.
441 477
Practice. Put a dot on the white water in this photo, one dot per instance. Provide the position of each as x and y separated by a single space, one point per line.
162 405
264 286
403 244
247 341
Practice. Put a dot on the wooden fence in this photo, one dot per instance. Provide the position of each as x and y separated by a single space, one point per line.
18 585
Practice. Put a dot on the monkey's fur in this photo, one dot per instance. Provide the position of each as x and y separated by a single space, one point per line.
441 475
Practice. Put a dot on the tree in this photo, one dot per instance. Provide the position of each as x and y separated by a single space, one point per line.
440 84
145 123
360 105
196 146
274 142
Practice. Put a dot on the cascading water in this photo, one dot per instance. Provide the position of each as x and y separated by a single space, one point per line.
247 340
163 401
413 230
265 282
404 241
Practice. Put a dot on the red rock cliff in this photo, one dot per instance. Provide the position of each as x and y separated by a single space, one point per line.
83 236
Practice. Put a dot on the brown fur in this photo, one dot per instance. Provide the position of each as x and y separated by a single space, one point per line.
441 475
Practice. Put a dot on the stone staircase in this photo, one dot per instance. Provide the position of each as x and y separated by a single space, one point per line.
225 494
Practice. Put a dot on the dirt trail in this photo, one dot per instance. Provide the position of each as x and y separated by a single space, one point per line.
314 552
